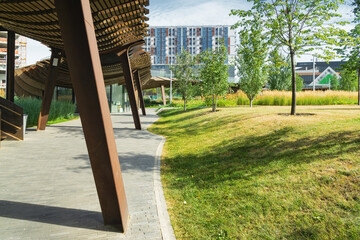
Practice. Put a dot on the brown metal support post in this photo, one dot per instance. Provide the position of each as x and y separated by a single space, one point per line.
129 83
82 54
10 67
140 92
49 88
136 92
163 94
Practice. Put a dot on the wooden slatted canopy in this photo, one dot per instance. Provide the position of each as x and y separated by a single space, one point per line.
30 80
117 23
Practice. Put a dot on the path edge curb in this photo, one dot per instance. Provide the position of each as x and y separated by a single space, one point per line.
167 232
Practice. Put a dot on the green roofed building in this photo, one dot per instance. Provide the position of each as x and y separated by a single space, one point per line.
324 72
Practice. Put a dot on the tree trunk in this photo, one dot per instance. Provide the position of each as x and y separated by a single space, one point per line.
216 102
185 104
358 86
251 102
293 77
213 105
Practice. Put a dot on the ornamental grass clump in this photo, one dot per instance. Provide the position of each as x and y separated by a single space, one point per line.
283 98
60 110
327 98
274 98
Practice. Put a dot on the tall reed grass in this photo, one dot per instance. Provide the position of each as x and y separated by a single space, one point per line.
283 98
2 92
59 110
273 98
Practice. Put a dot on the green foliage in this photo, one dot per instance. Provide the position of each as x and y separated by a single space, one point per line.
214 73
349 80
279 71
334 82
351 53
299 83
60 110
250 59
298 25
184 72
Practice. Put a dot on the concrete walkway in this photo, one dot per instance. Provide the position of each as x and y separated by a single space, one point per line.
47 190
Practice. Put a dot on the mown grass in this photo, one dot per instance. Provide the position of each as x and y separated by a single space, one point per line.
243 173
60 111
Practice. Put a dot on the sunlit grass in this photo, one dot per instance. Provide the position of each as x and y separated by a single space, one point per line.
243 173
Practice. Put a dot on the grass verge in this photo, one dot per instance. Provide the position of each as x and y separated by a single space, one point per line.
244 173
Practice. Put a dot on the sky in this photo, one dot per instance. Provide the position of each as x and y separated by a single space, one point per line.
185 12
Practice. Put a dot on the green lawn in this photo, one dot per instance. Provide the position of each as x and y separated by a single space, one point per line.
244 173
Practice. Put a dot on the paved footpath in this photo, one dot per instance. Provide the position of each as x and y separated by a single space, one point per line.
47 190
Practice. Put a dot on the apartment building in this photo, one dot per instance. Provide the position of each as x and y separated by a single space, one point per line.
164 43
20 55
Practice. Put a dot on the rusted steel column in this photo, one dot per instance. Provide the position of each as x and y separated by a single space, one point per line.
49 88
10 66
163 94
136 96
129 83
77 30
140 92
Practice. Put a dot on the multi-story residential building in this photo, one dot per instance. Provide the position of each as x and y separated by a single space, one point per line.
164 43
20 55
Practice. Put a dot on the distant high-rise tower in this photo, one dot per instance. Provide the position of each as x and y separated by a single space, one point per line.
164 43
20 54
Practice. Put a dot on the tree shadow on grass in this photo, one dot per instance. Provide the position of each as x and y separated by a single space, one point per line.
250 157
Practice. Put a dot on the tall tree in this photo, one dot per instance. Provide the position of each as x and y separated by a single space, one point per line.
298 25
351 50
349 80
279 71
250 59
214 73
184 72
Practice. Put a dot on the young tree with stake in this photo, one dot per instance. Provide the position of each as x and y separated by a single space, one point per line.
184 72
250 60
214 73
